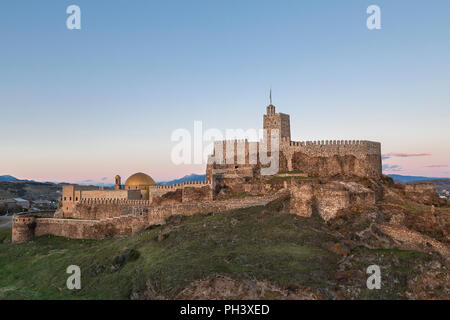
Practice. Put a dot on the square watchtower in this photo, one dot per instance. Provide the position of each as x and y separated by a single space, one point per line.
280 121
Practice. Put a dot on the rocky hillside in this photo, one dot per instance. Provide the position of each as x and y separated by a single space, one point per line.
256 253
29 190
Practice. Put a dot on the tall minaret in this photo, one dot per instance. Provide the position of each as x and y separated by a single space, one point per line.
118 183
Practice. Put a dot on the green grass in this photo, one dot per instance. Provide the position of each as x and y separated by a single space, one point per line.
255 243
289 177
412 207
242 244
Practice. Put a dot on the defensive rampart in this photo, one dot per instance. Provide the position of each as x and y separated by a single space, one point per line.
122 223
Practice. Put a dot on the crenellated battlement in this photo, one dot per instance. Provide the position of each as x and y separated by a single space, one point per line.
329 148
157 189
23 228
24 220
183 185
327 158
329 142
116 201
231 141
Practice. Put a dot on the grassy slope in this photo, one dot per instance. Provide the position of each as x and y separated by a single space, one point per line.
253 243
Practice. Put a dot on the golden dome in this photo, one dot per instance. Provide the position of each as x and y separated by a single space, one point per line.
139 179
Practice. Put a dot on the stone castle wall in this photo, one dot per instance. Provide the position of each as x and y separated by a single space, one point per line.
236 159
332 158
423 192
97 209
120 223
111 194
103 209
75 201
91 229
327 148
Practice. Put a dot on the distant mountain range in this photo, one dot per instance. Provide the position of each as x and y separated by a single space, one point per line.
187 178
8 178
405 179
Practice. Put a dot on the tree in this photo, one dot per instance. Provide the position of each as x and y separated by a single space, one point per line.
3 208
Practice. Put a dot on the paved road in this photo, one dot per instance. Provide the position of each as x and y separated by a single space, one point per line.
6 221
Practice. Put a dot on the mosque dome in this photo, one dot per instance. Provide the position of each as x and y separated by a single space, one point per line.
139 180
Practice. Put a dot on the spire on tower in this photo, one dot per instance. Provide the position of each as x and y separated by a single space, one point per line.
270 107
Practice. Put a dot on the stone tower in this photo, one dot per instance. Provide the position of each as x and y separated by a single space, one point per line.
23 228
280 121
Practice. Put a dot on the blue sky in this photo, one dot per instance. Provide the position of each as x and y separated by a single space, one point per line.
104 100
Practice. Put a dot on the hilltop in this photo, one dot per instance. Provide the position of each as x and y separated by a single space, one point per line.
257 253
8 178
29 190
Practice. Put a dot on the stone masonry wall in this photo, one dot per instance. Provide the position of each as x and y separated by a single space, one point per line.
111 194
91 229
318 158
332 158
424 192
97 210
280 122
25 228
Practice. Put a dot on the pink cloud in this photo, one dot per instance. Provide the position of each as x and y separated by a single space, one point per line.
437 166
404 155
392 168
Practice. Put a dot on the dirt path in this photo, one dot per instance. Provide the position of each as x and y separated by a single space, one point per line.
5 222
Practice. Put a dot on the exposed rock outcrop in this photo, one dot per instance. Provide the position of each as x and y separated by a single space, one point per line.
328 198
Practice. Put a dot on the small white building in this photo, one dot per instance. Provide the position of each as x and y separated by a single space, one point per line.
24 204
15 203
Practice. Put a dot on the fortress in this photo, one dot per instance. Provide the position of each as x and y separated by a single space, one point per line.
314 176
323 159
